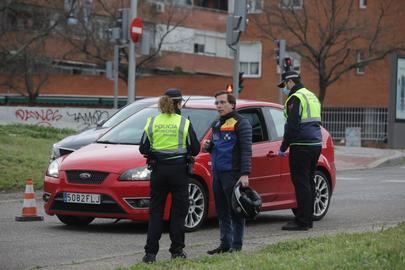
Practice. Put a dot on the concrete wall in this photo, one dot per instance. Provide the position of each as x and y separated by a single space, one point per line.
73 118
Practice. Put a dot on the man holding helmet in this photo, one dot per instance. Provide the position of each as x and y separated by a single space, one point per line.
231 153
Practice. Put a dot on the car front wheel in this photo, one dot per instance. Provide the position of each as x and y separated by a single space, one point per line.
198 209
75 221
322 196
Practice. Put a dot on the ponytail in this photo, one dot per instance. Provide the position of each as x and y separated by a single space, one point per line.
166 105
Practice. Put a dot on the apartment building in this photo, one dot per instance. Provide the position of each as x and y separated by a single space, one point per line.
188 48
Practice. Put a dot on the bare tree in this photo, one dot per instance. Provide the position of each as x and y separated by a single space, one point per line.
92 39
328 34
23 58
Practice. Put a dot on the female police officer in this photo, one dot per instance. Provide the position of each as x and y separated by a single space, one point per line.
167 141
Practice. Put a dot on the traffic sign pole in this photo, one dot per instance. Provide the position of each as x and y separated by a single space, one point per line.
132 58
236 70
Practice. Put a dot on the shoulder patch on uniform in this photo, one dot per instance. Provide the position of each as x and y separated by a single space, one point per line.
229 124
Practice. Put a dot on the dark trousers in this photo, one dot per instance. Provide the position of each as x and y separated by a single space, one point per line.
231 226
165 179
303 160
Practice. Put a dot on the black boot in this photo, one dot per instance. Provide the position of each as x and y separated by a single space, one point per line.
181 255
149 258
218 250
293 226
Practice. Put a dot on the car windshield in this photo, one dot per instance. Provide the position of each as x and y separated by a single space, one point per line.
127 111
130 131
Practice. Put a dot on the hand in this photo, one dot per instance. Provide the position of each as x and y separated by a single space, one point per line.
244 180
281 153
206 145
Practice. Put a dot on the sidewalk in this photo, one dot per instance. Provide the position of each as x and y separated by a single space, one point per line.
351 158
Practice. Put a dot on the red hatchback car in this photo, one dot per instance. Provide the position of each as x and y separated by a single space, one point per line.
110 179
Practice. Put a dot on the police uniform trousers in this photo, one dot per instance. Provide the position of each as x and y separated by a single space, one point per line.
231 226
303 160
165 179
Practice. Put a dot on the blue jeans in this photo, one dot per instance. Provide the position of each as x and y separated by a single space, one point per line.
231 226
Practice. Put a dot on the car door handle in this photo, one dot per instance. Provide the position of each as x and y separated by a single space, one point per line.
271 154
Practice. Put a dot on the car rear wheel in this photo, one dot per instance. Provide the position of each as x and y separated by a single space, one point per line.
75 221
322 196
198 209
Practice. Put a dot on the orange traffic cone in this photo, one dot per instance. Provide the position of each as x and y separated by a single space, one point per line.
29 211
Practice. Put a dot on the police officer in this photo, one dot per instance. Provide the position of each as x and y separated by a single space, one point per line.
231 154
167 142
302 133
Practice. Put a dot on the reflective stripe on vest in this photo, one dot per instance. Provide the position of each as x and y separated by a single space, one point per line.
310 110
167 133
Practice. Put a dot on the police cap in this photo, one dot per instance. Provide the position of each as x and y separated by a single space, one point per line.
286 76
174 94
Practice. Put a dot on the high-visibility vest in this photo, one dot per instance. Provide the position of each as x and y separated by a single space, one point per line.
310 110
167 133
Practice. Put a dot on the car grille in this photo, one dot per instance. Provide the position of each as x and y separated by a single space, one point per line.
86 177
108 205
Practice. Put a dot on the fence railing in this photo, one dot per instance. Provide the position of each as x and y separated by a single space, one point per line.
371 120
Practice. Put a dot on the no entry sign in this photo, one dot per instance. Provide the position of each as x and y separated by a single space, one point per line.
136 29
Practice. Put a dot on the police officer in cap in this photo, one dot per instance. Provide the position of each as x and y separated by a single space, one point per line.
302 133
168 140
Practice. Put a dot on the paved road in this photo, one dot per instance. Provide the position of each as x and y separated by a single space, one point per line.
363 200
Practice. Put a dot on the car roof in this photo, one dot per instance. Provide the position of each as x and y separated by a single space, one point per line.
208 102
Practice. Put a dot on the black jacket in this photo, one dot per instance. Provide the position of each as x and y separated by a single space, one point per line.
294 130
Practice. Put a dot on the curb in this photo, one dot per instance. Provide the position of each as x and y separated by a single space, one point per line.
398 159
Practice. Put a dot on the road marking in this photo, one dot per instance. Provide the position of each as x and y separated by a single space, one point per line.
349 178
394 181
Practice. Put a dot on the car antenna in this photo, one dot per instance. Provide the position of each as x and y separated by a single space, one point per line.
184 104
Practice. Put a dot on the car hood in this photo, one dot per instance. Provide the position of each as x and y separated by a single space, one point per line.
113 158
77 141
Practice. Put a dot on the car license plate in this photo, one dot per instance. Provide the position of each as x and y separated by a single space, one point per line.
70 197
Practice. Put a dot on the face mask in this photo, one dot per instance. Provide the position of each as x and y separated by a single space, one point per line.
285 91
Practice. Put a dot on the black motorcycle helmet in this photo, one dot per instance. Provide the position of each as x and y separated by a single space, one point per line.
246 202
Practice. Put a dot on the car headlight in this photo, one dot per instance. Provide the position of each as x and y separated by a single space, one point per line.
53 169
54 152
140 173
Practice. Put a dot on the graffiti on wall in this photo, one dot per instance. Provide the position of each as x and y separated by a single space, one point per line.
43 116
88 118
75 118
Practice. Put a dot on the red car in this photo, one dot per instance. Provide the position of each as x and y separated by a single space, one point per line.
110 179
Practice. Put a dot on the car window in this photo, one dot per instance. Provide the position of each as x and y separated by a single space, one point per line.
259 131
277 122
127 111
130 130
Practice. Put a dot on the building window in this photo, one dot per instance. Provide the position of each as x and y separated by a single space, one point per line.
255 6
360 58
199 48
75 10
76 68
363 4
293 4
250 59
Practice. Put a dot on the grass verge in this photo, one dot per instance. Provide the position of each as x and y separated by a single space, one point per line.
372 250
24 153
